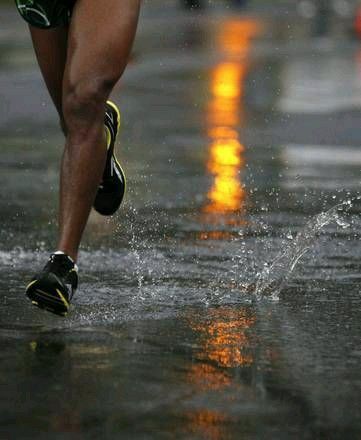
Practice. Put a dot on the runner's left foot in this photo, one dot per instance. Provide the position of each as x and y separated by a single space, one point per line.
112 188
53 288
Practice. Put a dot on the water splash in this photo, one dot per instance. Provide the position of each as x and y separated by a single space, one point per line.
273 277
138 260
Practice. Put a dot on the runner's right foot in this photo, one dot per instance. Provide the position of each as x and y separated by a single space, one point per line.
53 288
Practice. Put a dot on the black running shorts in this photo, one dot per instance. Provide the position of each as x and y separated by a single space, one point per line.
46 14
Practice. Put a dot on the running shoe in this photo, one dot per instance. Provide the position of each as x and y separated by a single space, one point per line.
112 188
54 287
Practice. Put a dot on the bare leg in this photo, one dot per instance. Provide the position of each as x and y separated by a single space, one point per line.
99 43
50 48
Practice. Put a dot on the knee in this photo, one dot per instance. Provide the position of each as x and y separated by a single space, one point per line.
83 103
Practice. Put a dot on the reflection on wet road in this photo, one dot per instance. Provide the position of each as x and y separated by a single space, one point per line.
235 134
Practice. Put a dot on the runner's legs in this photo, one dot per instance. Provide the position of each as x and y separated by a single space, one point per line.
50 47
99 44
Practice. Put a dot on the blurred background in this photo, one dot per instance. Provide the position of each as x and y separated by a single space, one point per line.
223 300
322 12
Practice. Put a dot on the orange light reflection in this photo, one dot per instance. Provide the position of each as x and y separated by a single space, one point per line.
225 117
208 377
234 39
226 80
208 424
225 339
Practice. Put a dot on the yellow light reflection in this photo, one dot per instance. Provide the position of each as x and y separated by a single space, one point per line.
226 80
225 338
226 153
225 118
227 193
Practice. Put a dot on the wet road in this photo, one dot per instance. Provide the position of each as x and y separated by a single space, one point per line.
238 130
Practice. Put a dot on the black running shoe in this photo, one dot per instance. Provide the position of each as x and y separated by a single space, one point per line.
112 188
53 288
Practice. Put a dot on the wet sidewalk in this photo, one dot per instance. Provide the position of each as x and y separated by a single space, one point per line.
218 303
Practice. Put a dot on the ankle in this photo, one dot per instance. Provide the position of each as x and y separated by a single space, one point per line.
73 255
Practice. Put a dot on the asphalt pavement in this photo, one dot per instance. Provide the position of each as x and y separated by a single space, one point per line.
223 300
